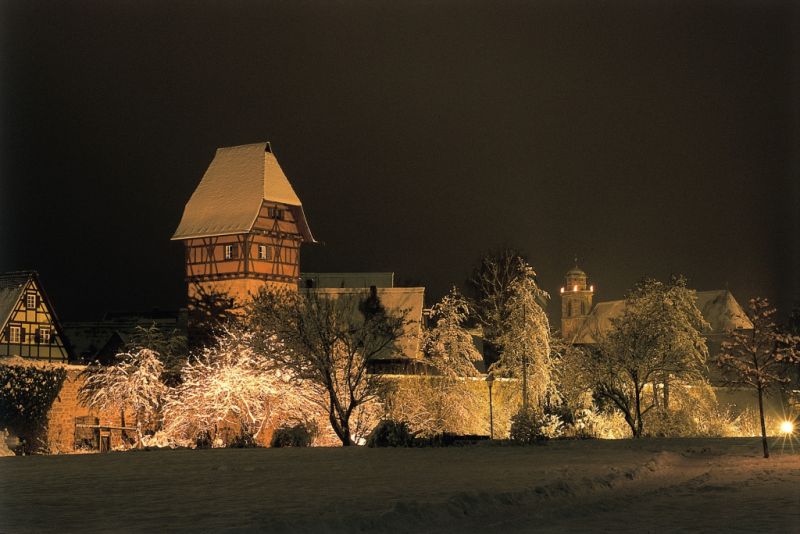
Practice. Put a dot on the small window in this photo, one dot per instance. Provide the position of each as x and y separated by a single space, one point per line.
30 301
264 252
44 335
14 334
229 252
275 213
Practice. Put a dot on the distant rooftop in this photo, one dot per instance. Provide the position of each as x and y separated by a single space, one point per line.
346 280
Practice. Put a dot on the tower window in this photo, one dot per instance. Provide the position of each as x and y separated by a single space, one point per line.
230 252
30 301
14 334
275 213
264 252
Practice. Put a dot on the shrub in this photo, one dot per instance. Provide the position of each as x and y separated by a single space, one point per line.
245 440
26 395
299 435
531 426
390 433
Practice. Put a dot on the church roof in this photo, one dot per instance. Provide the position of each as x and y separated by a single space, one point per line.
235 185
718 307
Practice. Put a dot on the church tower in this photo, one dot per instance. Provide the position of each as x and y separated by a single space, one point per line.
576 302
243 226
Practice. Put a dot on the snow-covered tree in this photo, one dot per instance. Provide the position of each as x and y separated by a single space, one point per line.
134 383
525 337
330 341
447 344
490 285
760 358
230 388
171 347
658 337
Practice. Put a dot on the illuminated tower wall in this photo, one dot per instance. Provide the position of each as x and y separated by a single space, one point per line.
576 302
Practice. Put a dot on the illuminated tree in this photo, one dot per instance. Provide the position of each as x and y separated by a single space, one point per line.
134 383
525 336
447 344
657 337
228 387
760 358
329 341
490 285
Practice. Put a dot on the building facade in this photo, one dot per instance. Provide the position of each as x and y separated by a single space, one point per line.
243 226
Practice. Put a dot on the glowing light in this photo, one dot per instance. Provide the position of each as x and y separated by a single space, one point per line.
562 289
787 427
575 287
591 288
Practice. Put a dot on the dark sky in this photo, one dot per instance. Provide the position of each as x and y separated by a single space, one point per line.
647 137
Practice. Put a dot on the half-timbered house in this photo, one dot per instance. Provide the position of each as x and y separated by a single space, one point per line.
243 226
28 324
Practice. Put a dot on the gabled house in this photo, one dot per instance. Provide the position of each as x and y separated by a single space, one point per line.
28 324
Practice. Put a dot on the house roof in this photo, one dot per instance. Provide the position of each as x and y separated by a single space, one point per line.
232 191
349 280
11 287
718 307
394 299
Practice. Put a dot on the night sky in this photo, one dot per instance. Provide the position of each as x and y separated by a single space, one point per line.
645 137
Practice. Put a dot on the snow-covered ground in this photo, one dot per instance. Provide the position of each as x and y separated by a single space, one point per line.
706 485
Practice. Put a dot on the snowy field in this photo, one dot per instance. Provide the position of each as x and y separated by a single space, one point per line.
698 485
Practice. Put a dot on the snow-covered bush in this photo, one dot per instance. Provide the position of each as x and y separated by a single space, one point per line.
531 426
26 395
390 433
299 435
229 393
435 404
134 383
693 412
593 423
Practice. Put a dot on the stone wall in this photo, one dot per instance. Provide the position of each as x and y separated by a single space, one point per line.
64 414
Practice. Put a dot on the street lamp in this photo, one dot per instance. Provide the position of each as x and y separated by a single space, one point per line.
489 382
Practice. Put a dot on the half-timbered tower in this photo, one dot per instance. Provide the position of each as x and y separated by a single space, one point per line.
243 226
29 327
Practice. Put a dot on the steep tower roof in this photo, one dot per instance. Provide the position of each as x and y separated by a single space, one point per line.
235 185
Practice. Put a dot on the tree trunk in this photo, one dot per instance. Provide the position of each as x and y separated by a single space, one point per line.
763 425
666 393
123 434
139 444
341 428
638 431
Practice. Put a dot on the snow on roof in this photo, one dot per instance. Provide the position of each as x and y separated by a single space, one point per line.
394 299
352 280
229 197
11 287
718 307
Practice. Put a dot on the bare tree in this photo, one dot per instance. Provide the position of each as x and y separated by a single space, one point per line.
760 358
134 382
657 336
490 285
329 340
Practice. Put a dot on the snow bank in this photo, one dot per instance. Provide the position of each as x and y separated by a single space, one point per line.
695 484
